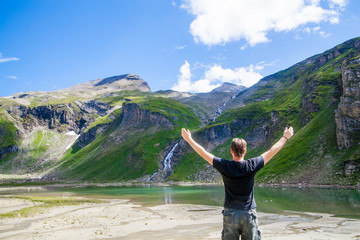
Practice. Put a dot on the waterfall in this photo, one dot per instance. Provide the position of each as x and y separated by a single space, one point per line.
162 174
220 109
167 161
151 177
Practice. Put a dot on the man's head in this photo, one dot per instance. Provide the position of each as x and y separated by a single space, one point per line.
238 147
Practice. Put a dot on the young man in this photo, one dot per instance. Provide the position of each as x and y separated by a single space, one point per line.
240 218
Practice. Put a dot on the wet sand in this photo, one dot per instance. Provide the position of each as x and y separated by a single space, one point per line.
122 219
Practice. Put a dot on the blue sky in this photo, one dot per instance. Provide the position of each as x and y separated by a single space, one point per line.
190 45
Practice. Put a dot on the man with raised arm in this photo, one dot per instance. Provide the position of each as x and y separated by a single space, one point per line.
240 218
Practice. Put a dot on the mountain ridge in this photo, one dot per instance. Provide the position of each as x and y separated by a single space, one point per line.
126 135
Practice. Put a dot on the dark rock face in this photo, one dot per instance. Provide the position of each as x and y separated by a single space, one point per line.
347 115
9 149
134 116
87 137
211 137
110 80
63 117
350 168
94 106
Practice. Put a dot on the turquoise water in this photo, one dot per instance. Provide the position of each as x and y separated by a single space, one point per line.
338 202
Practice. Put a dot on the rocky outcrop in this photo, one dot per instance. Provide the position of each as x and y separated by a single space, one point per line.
350 167
63 117
134 116
131 117
214 136
347 115
125 77
94 106
8 149
88 136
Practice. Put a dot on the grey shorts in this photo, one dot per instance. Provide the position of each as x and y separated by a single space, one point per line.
238 223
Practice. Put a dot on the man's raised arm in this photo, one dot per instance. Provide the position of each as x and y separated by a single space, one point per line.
277 146
186 134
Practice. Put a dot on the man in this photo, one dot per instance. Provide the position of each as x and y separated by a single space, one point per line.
240 218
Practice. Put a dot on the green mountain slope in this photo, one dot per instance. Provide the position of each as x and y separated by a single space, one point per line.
118 130
305 96
133 143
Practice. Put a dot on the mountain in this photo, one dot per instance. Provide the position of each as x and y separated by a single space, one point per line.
116 129
319 97
208 106
88 90
229 87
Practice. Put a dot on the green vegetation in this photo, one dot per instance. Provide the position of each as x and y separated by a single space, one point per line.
54 100
8 136
312 155
35 153
99 120
43 203
304 96
190 164
138 153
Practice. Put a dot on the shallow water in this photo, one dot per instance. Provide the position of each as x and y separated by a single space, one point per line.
338 202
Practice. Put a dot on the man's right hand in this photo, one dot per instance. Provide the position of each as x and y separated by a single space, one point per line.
288 132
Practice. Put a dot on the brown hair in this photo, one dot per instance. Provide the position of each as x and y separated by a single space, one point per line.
238 146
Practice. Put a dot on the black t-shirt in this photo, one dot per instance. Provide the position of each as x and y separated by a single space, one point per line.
239 181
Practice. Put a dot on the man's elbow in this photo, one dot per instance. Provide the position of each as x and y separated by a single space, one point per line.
267 156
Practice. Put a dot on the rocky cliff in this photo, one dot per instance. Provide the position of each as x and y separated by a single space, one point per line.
348 112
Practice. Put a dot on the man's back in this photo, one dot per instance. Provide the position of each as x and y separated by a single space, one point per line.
238 177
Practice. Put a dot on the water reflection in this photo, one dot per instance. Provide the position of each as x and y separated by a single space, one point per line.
168 195
17 190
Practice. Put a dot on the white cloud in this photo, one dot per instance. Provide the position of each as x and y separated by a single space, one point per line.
246 76
180 47
12 77
324 34
215 75
338 3
2 60
222 21
185 84
315 30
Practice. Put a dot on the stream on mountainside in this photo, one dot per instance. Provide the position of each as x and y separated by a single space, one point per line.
338 202
167 169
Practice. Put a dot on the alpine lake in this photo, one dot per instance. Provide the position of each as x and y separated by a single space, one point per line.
281 200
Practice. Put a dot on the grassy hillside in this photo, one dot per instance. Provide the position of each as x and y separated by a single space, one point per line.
304 96
124 135
139 154
8 134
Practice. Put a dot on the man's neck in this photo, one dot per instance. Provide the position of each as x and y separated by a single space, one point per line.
238 159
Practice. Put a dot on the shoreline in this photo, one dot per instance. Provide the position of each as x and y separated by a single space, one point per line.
165 184
124 219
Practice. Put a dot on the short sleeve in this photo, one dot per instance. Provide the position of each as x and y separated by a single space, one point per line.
218 164
258 163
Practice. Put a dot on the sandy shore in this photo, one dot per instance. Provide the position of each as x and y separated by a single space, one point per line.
121 219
